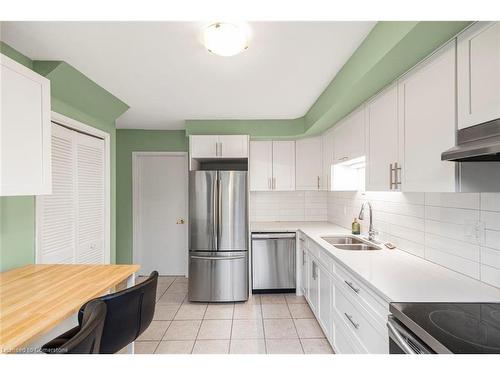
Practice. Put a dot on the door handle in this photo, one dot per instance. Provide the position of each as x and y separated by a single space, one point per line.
318 182
352 286
218 258
349 317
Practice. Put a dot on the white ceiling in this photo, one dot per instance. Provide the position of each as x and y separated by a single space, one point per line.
166 76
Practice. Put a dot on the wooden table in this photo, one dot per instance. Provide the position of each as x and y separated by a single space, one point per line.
35 299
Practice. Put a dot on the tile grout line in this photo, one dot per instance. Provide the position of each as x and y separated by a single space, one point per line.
295 326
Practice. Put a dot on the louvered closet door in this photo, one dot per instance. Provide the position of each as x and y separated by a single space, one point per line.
71 219
90 199
57 211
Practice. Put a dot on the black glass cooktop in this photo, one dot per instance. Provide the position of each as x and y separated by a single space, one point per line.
453 327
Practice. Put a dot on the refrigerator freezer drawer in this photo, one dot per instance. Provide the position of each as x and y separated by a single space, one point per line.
218 277
273 262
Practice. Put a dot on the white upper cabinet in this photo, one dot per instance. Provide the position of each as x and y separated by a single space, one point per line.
349 139
261 165
204 146
25 131
427 123
233 146
382 141
328 159
309 163
272 165
218 146
478 74
284 165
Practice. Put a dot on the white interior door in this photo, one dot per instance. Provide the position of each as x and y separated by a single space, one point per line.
160 213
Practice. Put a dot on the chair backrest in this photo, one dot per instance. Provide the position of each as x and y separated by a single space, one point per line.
88 338
129 313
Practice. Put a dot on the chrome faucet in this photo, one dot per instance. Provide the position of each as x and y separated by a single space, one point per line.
371 232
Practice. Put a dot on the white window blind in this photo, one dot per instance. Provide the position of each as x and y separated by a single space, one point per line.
72 219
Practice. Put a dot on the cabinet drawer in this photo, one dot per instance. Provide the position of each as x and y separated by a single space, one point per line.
359 324
362 294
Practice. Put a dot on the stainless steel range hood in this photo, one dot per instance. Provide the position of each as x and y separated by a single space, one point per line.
476 143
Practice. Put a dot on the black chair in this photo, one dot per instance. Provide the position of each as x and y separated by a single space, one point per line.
85 338
130 312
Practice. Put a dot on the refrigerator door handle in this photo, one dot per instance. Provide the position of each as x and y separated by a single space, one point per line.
216 205
219 210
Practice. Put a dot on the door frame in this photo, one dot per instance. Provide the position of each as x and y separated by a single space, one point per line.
136 251
78 126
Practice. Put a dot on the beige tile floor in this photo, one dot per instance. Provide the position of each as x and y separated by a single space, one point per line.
272 324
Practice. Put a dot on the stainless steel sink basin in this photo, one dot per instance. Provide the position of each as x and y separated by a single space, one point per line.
358 247
342 240
350 243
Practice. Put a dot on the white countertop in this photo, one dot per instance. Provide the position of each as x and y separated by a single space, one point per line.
393 274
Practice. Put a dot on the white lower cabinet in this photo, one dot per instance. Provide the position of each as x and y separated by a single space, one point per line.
313 285
325 294
352 316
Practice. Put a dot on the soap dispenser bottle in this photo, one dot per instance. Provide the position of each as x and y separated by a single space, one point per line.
356 228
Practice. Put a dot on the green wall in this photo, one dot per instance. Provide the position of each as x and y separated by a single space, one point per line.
68 86
129 141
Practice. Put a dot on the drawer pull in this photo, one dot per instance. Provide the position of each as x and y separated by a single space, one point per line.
352 286
349 317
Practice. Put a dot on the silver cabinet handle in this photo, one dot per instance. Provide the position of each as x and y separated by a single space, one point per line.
218 258
352 286
397 175
269 183
303 257
216 148
349 317
220 145
318 182
314 270
343 158
274 183
390 177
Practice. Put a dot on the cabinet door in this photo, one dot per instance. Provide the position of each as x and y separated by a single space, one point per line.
325 301
382 129
309 164
203 146
233 146
478 74
284 165
303 271
328 159
313 284
25 132
349 141
427 123
261 165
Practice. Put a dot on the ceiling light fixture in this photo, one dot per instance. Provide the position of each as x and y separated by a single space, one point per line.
225 39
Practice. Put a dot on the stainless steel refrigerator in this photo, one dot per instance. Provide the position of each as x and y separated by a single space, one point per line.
218 236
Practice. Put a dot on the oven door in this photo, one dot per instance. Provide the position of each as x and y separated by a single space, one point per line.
403 341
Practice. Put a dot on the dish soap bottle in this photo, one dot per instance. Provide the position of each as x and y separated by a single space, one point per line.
356 228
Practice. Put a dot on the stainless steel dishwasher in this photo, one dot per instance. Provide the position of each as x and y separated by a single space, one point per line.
273 261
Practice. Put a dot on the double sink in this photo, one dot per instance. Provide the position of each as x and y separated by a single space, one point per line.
350 243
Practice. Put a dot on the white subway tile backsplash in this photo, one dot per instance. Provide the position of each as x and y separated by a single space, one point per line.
490 275
490 257
459 248
492 239
456 200
456 263
490 202
288 206
491 220
460 231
